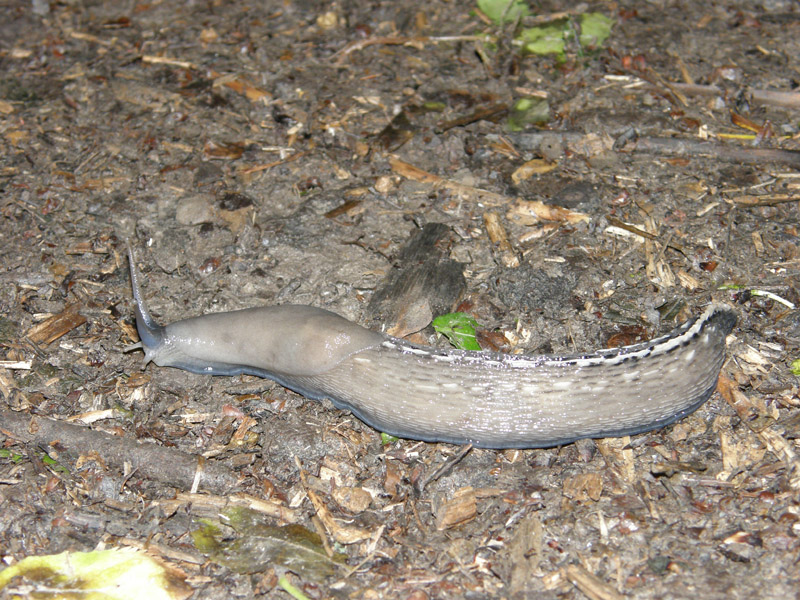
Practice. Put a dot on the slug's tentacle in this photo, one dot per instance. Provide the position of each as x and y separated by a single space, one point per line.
488 399
151 334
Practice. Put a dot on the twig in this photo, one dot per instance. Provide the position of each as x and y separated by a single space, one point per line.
274 163
645 234
399 40
771 97
409 171
579 143
443 469
158 463
590 584
767 200
481 114
681 147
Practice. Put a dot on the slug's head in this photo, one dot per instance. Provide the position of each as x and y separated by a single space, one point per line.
151 334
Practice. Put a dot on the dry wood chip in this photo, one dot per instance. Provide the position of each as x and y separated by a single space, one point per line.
56 326
497 234
93 416
349 208
16 136
151 97
392 479
754 357
530 212
584 487
164 60
412 318
352 499
209 35
537 166
225 150
461 508
619 456
23 365
416 174
88 247
657 270
591 585
7 383
766 199
237 219
687 281
525 552
758 242
344 534
770 436
250 91
738 453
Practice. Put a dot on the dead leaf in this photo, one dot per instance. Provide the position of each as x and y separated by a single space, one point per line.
258 545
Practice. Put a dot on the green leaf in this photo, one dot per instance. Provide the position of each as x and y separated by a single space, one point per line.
527 111
434 106
547 39
795 368
12 455
459 328
388 439
290 589
502 11
100 575
256 545
595 29
551 38
54 464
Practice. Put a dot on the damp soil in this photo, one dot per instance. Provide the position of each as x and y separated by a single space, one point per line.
258 153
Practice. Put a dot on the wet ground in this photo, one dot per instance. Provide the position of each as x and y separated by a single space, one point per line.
284 152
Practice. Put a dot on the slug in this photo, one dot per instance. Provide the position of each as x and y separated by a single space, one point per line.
488 399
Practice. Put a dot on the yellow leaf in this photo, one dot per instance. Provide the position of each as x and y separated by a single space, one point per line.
115 574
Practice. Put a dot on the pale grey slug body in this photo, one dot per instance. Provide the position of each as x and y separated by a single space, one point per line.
488 399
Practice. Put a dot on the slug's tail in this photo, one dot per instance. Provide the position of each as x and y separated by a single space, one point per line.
151 333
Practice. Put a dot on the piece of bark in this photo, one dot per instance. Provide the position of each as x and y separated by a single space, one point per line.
149 460
53 328
426 283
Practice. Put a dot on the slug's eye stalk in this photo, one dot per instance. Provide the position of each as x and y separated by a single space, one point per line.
151 333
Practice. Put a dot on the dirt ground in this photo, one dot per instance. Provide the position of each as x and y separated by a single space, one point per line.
244 150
